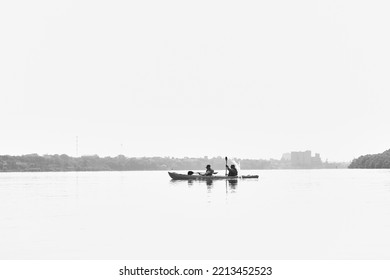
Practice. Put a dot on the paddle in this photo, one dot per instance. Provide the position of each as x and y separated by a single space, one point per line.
226 175
225 166
203 174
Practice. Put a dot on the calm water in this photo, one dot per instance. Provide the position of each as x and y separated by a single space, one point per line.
286 214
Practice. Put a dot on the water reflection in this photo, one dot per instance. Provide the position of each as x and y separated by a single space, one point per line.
233 185
190 183
209 184
230 185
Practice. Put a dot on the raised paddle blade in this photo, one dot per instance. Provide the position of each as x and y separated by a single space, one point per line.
226 166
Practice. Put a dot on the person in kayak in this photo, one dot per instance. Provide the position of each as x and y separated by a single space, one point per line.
209 171
232 170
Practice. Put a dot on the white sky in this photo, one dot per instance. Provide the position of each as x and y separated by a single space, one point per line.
249 79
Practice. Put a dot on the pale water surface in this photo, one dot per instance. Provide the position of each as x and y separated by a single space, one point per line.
286 214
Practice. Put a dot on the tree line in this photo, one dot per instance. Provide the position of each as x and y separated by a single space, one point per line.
35 162
381 160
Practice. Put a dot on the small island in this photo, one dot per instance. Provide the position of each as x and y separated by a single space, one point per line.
381 160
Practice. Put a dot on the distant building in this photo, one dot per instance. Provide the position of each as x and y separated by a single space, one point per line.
316 160
305 160
286 157
301 159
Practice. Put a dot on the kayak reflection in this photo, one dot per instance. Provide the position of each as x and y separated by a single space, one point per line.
233 184
230 185
209 183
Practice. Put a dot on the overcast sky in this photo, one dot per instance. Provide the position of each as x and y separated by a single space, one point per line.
250 79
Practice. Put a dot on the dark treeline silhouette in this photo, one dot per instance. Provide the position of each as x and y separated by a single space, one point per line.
372 161
34 162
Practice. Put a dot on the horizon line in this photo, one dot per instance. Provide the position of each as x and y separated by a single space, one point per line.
166 156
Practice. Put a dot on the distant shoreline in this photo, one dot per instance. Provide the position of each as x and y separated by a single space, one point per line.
167 170
65 163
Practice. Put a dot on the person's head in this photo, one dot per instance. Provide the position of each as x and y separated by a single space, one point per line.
208 166
233 166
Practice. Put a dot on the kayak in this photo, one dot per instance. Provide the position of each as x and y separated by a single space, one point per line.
178 176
